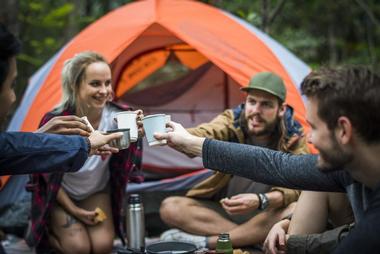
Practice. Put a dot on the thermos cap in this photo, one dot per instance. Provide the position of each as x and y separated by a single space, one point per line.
134 199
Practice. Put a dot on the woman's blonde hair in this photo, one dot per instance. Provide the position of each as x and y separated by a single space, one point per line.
73 73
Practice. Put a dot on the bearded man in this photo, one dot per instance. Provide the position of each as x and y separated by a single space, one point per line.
220 203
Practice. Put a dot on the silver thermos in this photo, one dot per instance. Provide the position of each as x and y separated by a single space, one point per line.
135 222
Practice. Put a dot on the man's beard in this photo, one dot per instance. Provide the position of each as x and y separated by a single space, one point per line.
335 159
268 129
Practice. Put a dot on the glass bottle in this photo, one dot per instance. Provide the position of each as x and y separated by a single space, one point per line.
223 244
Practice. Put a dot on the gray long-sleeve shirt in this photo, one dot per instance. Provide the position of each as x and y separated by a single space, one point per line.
299 172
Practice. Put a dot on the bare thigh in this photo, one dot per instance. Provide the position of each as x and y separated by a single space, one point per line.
102 234
340 211
314 209
66 233
311 213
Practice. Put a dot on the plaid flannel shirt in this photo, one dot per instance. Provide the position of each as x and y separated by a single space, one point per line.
124 166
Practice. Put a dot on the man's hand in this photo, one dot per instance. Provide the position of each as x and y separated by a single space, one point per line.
241 203
275 243
68 125
99 143
179 139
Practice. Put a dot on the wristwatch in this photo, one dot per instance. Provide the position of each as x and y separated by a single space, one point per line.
264 201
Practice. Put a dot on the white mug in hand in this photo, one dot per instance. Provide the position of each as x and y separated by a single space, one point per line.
155 123
127 120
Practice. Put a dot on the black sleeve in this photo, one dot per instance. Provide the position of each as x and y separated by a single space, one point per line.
272 167
365 237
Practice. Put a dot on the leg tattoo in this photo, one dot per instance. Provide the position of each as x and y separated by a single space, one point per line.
70 220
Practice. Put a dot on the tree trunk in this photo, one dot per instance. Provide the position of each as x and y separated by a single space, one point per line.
265 15
73 26
333 53
8 15
268 15
106 6
369 12
370 42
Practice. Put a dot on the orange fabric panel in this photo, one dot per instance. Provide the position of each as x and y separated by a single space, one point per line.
140 68
144 65
188 55
191 59
3 181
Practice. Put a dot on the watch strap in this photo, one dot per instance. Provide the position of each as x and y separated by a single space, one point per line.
263 200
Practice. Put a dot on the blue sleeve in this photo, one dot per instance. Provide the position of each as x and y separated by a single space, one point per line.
271 167
25 153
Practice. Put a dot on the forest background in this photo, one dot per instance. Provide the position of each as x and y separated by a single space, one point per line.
319 32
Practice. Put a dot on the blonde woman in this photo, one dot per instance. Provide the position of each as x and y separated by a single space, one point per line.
63 208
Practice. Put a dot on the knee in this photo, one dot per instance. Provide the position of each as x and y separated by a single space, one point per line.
102 246
171 210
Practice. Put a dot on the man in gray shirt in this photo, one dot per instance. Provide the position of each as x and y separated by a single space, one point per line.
342 110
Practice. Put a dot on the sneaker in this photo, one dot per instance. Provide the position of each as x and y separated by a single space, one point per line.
178 235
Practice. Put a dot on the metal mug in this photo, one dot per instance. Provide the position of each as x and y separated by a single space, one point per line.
123 142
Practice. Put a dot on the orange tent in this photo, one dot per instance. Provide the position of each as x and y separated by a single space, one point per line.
179 57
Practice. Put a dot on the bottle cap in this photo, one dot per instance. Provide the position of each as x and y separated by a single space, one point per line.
134 199
224 236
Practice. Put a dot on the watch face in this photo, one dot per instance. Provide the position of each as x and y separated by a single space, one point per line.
264 201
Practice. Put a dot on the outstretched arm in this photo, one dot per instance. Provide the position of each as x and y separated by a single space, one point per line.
24 153
270 167
259 164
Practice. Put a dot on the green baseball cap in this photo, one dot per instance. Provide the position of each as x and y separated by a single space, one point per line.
268 82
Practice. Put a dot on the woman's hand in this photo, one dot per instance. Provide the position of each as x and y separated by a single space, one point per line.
241 203
275 243
67 125
87 217
139 122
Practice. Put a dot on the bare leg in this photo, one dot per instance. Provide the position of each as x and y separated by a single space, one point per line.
191 216
67 234
102 234
340 211
314 208
255 230
310 214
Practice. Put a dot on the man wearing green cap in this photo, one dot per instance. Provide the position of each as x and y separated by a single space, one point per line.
220 203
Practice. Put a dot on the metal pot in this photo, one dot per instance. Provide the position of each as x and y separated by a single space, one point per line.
171 247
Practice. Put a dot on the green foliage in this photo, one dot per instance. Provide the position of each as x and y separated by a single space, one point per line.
319 32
